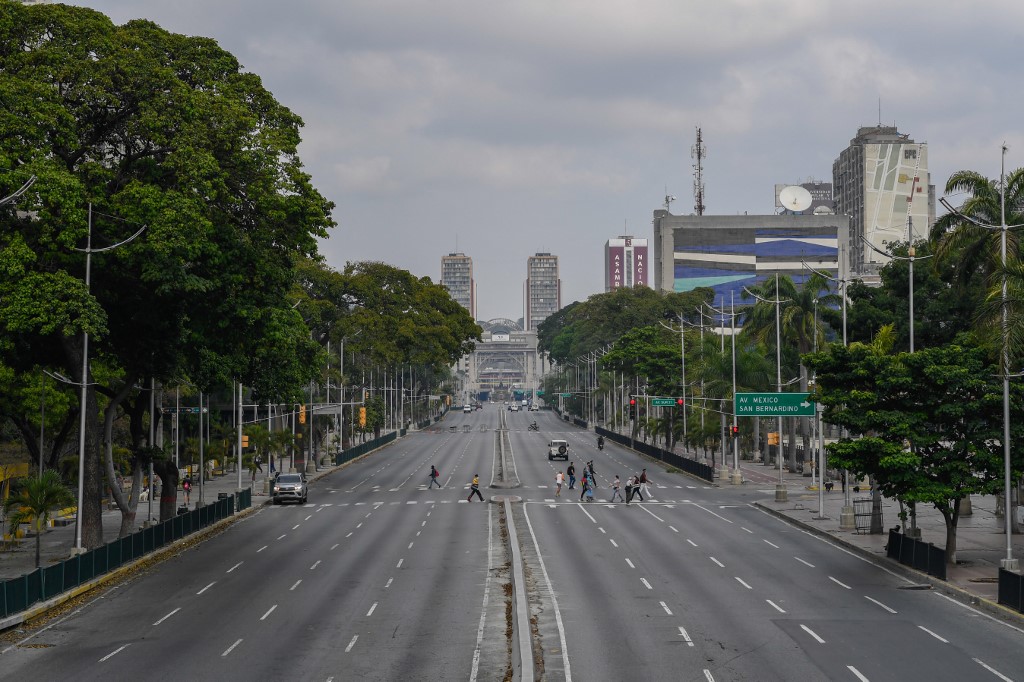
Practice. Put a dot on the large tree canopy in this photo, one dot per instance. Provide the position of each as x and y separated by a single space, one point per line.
152 129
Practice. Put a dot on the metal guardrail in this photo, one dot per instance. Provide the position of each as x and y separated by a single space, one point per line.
1011 589
361 449
20 594
702 471
923 556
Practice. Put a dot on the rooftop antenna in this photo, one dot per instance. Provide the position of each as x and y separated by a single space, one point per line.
668 200
879 112
698 152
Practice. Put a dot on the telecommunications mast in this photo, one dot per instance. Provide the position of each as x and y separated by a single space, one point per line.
698 152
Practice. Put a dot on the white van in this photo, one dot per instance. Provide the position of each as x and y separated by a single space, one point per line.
467 409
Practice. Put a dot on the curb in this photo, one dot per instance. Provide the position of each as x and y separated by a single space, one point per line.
961 595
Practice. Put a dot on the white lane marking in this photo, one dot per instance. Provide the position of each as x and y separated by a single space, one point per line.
410 545
979 613
372 608
349 535
295 585
707 675
418 533
167 616
269 611
630 563
320 508
388 584
665 606
282 536
841 584
880 604
206 588
554 600
235 566
115 652
313 567
335 545
741 582
612 540
296 526
359 525
748 530
261 549
400 563
812 633
423 524
230 648
673 529
686 637
944 641
653 514
805 563
992 670
775 606
487 589
367 515
857 673
601 529
646 584
720 564
308 518
771 543
711 512
580 505
351 644
691 542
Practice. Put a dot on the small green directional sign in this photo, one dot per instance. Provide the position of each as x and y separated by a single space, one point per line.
663 402
565 395
773 405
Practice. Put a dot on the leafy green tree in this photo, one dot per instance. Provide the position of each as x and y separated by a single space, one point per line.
927 425
34 502
165 131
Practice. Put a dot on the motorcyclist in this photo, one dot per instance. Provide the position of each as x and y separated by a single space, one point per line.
533 426
600 442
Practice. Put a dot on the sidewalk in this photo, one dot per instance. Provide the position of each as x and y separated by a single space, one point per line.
58 542
981 537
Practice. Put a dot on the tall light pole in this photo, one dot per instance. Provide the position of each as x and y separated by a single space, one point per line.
88 250
1009 563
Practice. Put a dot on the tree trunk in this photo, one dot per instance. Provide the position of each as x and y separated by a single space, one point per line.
952 519
168 474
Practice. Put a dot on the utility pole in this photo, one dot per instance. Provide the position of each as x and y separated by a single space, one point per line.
698 152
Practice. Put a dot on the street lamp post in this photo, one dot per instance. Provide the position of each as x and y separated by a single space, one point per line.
1009 563
88 250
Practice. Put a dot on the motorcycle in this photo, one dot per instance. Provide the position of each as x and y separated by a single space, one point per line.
600 444
533 427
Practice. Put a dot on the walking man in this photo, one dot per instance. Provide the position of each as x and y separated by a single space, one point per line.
474 488
636 488
558 484
186 486
571 473
616 492
584 482
643 483
434 473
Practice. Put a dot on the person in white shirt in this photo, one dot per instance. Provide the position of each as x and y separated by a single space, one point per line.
558 484
616 490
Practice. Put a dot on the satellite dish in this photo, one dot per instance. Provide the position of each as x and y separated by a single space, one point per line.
794 198
822 210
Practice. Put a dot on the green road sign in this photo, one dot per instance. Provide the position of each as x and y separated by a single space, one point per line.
663 402
565 395
773 405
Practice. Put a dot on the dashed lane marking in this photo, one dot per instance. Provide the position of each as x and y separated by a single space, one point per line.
231 648
118 650
269 611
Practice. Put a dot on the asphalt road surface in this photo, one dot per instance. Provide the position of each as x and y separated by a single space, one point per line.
380 578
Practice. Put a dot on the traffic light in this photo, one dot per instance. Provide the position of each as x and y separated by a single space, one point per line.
245 441
735 430
680 402
362 416
632 409
302 414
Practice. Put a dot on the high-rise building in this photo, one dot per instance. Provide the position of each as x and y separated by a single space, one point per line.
457 277
543 290
625 262
873 179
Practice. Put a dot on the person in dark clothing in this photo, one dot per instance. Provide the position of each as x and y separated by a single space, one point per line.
434 473
474 488
590 467
636 488
571 473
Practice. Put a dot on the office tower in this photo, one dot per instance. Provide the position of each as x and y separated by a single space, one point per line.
457 277
873 179
625 262
543 294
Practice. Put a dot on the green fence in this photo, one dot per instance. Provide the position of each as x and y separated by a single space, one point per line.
19 594
361 449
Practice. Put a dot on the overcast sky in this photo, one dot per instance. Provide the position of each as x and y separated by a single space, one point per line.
501 129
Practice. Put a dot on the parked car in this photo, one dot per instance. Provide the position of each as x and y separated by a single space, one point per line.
290 487
558 449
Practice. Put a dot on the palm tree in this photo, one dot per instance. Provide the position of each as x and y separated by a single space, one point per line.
37 498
